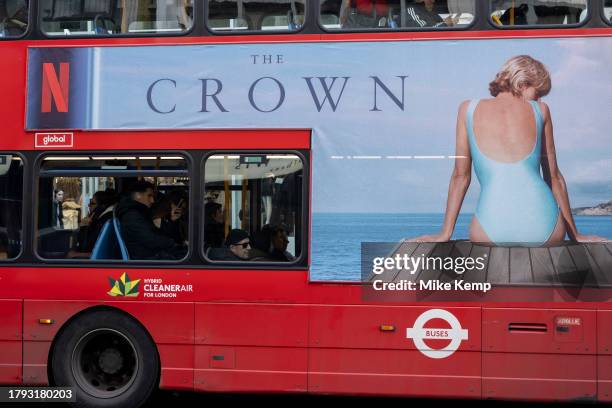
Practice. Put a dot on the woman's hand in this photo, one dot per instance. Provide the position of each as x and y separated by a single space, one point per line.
430 238
176 214
589 238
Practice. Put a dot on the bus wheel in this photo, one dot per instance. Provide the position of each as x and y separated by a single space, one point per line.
109 360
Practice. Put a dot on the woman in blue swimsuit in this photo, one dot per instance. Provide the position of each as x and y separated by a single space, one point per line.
509 139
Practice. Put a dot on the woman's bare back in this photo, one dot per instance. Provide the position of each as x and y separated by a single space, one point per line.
505 129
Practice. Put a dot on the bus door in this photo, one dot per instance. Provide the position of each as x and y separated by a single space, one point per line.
252 335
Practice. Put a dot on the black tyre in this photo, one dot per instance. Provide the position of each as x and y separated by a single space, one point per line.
108 358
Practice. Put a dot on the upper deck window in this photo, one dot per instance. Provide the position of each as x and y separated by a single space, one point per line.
508 13
607 15
255 15
13 18
112 17
396 14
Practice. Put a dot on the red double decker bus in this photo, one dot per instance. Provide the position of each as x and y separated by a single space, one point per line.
215 196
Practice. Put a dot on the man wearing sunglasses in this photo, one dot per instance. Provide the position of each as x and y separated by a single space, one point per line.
237 247
239 242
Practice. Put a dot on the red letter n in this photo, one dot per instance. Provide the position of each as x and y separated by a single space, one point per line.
54 87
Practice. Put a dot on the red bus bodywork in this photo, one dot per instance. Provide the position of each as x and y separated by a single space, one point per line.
275 330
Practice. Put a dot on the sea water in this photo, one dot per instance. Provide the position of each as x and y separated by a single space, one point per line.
337 238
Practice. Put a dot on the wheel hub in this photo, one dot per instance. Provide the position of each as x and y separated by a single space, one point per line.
110 361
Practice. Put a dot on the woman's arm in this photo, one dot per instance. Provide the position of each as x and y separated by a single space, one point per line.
459 181
553 177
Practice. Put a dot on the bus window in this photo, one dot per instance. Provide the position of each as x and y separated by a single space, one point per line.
11 205
113 208
253 207
13 18
396 14
109 17
608 11
506 13
241 15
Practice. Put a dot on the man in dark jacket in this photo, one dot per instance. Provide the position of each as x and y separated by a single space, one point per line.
237 247
214 225
142 238
280 241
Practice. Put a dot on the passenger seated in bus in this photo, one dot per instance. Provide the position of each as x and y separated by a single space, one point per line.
237 247
13 18
261 244
423 14
169 215
363 13
270 244
104 203
92 212
515 15
142 238
214 225
91 225
280 241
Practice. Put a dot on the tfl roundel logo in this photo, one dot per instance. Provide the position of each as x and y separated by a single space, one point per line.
419 333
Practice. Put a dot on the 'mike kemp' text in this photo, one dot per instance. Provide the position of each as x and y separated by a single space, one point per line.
431 285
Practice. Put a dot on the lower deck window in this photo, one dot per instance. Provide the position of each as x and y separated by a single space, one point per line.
113 208
253 207
11 204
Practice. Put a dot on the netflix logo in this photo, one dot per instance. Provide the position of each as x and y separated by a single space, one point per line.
55 87
58 89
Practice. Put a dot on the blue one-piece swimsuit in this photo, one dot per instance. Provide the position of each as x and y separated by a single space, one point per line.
516 206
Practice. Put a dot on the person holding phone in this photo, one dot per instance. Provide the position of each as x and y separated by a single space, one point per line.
144 239
169 215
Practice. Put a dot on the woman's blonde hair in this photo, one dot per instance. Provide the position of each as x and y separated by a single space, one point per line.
521 72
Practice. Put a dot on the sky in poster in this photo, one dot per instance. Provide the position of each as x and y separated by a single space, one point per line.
439 75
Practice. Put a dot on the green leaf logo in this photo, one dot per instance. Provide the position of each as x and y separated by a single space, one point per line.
124 286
